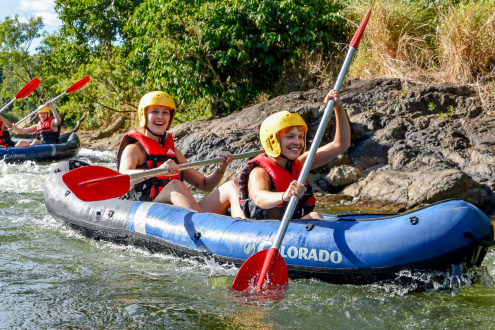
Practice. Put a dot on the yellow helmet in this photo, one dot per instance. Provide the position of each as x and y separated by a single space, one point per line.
155 98
45 109
274 124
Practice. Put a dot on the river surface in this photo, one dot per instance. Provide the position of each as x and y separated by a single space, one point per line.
53 278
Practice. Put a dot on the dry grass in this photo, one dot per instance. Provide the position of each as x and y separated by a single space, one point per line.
467 41
454 43
398 43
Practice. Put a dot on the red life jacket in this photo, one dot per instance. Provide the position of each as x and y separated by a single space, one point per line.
5 139
156 155
44 131
281 179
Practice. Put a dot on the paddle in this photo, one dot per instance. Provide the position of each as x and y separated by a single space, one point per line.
268 263
25 91
94 183
71 89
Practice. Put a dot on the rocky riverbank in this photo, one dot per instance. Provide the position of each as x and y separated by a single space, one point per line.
412 144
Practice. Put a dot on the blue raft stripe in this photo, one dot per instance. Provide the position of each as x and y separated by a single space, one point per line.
131 214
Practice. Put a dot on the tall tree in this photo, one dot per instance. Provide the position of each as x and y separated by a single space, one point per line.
18 67
15 39
97 24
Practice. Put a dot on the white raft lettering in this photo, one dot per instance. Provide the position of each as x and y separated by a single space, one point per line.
296 253
249 248
336 257
292 252
324 255
312 255
303 253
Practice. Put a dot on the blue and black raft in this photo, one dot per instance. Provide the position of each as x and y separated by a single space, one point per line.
68 147
341 249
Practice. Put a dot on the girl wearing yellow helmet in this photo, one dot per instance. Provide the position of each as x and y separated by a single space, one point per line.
47 129
151 146
268 181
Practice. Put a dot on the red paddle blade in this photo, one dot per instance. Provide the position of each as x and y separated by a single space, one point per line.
78 85
26 90
96 183
248 276
359 33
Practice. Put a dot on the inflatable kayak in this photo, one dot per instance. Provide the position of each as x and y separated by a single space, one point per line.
341 249
67 148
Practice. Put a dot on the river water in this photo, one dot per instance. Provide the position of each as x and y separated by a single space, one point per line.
53 278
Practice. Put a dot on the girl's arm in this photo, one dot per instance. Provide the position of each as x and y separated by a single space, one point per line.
6 123
27 130
133 156
342 139
199 180
259 190
58 120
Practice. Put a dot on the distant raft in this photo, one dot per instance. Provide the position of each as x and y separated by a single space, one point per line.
354 249
67 148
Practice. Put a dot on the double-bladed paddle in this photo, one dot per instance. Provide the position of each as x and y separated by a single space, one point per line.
71 89
25 91
268 264
94 183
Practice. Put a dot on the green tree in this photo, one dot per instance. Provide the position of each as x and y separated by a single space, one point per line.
15 39
226 51
95 24
18 67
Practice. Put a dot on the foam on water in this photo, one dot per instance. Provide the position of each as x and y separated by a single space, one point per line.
90 156
25 178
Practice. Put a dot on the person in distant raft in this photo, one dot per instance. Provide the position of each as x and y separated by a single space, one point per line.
5 140
268 181
151 146
47 130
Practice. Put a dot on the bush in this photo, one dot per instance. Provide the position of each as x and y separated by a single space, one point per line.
226 52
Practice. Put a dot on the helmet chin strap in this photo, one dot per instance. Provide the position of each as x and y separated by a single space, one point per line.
288 164
161 138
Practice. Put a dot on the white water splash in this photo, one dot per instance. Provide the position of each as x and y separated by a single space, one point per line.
432 282
92 157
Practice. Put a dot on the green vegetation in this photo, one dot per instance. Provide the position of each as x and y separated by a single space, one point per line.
449 114
450 111
216 57
431 107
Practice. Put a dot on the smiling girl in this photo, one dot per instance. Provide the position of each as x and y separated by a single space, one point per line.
151 146
268 181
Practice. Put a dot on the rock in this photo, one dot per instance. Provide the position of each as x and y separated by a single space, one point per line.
418 187
342 175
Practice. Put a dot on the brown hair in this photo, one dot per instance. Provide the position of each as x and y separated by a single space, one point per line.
286 129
